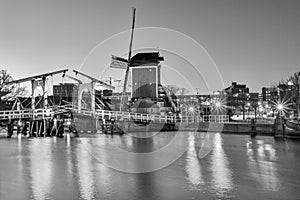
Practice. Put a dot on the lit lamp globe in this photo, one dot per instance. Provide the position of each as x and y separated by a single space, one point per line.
279 107
191 109
218 104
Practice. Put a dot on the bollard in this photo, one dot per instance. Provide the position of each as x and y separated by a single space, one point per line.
283 128
253 128
275 127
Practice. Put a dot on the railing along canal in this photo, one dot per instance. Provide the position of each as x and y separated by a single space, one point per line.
116 115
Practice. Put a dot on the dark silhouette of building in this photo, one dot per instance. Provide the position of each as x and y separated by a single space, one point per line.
64 92
236 89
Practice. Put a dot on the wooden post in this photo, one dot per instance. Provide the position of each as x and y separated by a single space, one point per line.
45 127
283 127
40 129
32 94
253 128
30 128
45 95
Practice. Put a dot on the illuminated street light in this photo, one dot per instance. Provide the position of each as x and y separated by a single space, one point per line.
218 104
191 109
279 107
282 106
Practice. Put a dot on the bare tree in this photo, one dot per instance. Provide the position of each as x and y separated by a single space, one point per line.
13 89
293 96
183 91
295 80
175 90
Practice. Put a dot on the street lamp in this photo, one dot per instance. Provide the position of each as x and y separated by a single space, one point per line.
279 107
218 104
191 109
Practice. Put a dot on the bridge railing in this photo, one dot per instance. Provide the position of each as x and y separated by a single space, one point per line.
142 117
203 118
12 114
42 113
22 114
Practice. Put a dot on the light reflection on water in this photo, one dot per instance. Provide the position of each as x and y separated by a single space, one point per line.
66 168
193 167
40 169
86 176
262 164
221 174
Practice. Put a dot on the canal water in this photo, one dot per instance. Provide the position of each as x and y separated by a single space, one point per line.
212 166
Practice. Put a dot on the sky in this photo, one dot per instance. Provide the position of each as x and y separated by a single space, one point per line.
206 44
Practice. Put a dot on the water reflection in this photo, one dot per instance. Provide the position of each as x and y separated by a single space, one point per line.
40 168
193 167
85 173
222 183
67 168
262 165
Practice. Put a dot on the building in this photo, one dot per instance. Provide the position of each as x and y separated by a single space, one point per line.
265 94
236 89
254 96
65 92
269 94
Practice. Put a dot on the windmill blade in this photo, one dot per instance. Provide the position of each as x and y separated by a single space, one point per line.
118 62
129 57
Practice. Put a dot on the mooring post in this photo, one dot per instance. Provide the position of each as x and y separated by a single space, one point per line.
275 127
283 127
253 128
